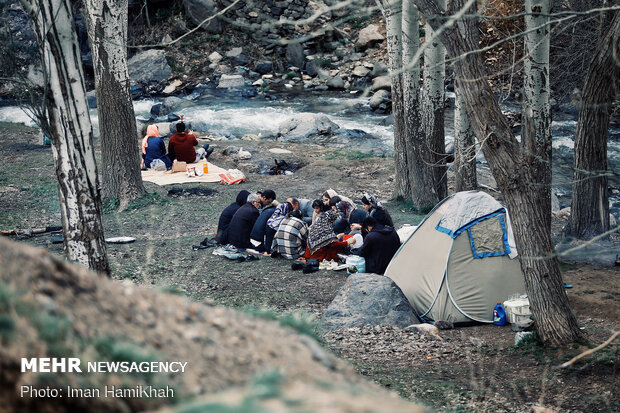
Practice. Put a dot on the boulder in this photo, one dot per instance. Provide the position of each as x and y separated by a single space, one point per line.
335 83
361 71
369 36
172 87
380 97
295 55
200 10
305 125
149 66
231 82
236 56
311 68
368 299
379 69
263 67
215 57
381 82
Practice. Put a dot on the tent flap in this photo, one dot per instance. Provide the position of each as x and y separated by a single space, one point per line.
489 238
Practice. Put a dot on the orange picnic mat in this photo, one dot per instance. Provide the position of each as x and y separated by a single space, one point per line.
167 178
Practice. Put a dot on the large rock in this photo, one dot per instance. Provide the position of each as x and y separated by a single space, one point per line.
369 36
304 126
231 82
335 82
295 55
264 67
149 66
200 10
380 97
368 299
236 56
361 71
378 69
382 82
215 57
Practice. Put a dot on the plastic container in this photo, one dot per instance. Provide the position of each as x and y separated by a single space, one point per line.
517 310
206 168
356 264
499 315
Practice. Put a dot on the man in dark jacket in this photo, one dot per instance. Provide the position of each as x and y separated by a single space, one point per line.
379 247
227 214
268 203
181 146
242 222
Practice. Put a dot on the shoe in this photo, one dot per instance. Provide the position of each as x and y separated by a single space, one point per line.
307 269
209 152
297 266
198 247
252 258
240 259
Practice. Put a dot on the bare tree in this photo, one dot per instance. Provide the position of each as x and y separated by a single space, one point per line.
392 12
120 162
515 171
71 132
590 205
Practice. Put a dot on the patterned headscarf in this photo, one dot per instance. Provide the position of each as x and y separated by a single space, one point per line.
373 200
278 215
151 130
322 231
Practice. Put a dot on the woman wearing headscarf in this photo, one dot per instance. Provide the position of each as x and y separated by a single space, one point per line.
375 209
322 241
153 147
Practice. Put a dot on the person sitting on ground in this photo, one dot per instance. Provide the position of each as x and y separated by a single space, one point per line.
291 238
226 217
242 222
354 240
267 199
181 145
379 246
153 147
344 209
322 241
330 193
375 209
304 206
273 223
318 207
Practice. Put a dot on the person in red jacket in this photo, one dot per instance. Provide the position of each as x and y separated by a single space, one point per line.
181 146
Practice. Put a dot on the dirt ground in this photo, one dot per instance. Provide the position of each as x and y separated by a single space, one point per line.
472 369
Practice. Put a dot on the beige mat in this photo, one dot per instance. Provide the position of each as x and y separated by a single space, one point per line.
167 178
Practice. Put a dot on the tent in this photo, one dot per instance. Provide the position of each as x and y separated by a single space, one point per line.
460 261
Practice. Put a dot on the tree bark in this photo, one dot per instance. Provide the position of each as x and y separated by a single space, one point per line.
536 113
433 112
392 12
464 146
464 137
120 151
590 205
422 188
514 172
72 136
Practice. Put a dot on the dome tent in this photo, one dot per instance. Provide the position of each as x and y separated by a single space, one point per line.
460 261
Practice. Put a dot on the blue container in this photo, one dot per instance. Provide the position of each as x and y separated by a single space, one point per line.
499 315
356 264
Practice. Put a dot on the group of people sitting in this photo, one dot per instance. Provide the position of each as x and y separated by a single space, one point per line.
180 147
304 229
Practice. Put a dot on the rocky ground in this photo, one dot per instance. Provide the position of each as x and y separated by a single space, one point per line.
469 369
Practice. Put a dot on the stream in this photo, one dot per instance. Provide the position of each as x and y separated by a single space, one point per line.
232 116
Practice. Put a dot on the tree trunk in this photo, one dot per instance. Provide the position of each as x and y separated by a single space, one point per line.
392 12
464 137
120 151
536 113
433 112
590 206
420 173
464 146
72 136
514 173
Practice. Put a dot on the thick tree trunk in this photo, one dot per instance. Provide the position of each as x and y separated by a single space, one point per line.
464 146
590 206
511 167
536 114
120 151
392 12
421 181
433 112
72 136
464 137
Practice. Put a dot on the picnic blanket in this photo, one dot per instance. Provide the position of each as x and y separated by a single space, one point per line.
167 178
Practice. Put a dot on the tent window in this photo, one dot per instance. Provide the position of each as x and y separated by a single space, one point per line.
489 238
